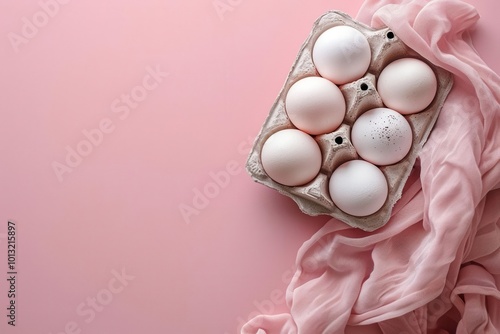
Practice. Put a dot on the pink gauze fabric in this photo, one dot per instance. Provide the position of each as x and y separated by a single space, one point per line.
435 267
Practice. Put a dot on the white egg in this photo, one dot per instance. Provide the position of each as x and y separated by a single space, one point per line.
341 54
358 188
291 157
382 136
315 105
407 85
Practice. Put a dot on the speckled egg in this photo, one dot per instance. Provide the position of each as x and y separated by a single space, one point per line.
382 136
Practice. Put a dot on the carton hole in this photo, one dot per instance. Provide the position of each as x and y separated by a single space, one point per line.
363 86
339 140
390 35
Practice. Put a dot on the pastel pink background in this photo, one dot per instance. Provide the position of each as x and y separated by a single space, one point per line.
120 208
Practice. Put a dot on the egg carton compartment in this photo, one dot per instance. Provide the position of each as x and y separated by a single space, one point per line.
360 95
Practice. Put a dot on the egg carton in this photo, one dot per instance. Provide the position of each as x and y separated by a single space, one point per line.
361 95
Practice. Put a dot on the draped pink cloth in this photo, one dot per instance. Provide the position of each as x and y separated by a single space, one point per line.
435 267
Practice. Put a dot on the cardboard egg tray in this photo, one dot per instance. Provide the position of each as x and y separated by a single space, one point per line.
361 95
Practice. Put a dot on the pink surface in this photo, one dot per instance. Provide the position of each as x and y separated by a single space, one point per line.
162 99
